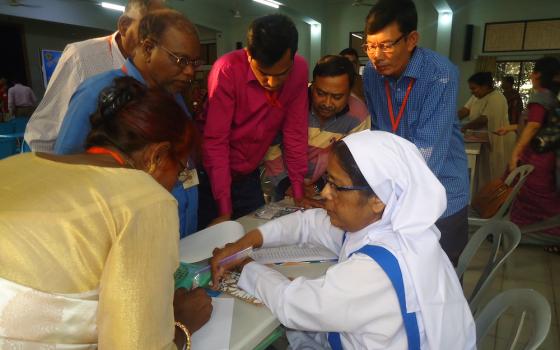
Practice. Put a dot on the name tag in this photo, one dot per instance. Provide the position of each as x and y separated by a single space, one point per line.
189 178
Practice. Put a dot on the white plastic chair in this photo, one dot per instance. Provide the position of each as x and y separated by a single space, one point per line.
503 213
527 305
505 238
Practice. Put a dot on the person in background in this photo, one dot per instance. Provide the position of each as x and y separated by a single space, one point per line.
538 199
515 104
358 87
333 114
92 266
166 58
80 61
412 91
21 100
3 98
393 286
487 109
253 94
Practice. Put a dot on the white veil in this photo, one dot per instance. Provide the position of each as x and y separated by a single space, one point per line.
415 199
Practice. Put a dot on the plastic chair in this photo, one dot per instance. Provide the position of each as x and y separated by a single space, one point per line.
505 238
503 213
7 145
19 123
524 303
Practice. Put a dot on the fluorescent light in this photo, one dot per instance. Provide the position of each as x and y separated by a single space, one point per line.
112 6
446 17
357 36
271 3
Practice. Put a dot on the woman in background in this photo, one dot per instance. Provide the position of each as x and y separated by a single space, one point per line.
90 241
487 109
538 199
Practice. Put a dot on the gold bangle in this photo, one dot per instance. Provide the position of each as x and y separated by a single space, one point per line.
182 327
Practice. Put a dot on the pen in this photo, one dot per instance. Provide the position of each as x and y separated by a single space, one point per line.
242 254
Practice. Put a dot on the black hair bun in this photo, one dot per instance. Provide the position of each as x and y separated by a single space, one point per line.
113 98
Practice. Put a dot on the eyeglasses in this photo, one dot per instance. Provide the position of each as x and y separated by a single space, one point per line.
338 188
183 61
387 47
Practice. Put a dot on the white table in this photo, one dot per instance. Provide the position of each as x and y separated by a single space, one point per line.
253 324
473 150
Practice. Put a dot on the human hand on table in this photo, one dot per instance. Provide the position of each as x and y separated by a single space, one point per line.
192 308
251 239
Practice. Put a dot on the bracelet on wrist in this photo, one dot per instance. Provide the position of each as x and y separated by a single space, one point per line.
182 327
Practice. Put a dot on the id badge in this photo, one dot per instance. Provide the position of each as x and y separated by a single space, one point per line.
189 179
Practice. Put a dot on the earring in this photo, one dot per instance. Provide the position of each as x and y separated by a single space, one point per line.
152 168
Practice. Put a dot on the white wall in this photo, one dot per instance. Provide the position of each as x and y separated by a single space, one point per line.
479 12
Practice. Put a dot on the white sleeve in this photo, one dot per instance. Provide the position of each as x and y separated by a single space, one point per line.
469 103
353 296
47 118
312 226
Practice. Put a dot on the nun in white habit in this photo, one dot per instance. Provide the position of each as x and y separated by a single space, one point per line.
393 286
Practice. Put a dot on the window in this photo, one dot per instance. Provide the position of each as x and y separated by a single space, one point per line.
521 72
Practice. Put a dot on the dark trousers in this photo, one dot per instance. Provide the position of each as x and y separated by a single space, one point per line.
246 197
454 234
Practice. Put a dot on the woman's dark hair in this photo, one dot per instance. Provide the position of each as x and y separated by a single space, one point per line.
385 12
482 79
131 116
348 164
549 68
269 37
333 66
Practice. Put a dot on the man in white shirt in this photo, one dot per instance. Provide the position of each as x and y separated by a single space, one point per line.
21 100
80 61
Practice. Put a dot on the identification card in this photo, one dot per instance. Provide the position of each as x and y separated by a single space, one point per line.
190 179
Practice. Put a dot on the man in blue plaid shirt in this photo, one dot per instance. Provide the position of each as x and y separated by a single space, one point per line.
412 91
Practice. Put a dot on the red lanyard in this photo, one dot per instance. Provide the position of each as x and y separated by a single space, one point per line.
395 123
124 69
103 150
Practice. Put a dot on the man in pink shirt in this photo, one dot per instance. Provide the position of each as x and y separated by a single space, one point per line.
254 94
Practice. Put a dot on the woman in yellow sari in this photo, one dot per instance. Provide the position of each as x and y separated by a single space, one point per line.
90 241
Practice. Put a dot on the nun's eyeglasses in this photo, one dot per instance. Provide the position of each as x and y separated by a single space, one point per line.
338 188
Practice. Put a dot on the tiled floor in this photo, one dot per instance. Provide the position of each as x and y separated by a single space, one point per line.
528 267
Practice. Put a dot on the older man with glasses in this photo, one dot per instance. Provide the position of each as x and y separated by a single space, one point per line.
166 57
80 61
411 91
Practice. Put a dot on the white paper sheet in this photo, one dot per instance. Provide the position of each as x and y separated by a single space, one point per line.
292 254
199 245
216 334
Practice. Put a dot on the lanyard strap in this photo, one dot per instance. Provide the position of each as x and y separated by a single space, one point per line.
395 123
103 150
390 265
124 69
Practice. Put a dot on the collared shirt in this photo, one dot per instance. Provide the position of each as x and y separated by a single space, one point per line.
429 120
20 96
353 118
241 123
83 104
78 62
75 128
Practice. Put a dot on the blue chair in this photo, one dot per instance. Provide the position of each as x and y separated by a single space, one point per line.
20 123
8 146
